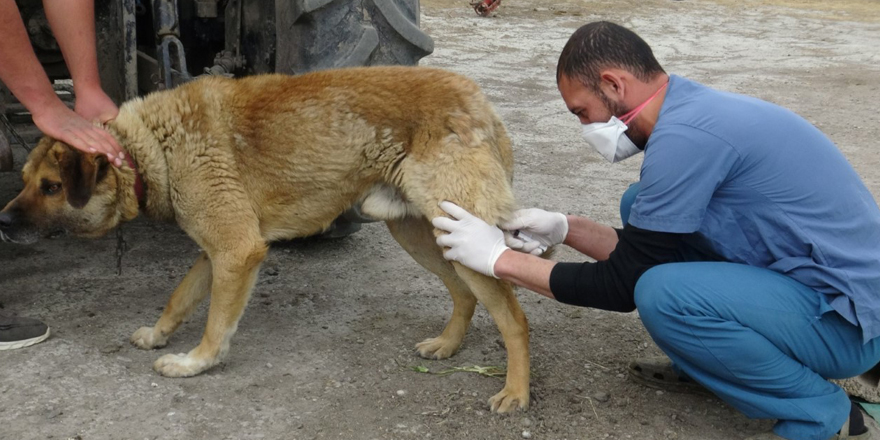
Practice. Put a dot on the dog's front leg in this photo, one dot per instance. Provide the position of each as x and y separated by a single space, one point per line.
188 294
234 274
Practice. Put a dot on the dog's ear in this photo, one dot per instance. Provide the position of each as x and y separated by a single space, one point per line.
80 173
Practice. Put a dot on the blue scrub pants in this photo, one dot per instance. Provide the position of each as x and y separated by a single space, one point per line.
756 339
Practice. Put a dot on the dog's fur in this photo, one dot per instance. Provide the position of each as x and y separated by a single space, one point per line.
240 163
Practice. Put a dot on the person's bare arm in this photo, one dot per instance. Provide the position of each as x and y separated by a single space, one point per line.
73 23
21 72
590 238
525 270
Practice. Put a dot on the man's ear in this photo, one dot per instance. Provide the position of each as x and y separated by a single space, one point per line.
79 173
612 83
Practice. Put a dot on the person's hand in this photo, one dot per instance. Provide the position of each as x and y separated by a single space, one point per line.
533 230
95 106
471 241
64 124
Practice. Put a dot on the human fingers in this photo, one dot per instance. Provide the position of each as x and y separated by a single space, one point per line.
523 219
111 142
444 223
446 240
511 241
108 145
454 210
515 224
93 136
531 247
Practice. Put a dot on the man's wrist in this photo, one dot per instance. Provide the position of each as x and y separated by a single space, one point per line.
503 265
569 219
46 106
88 87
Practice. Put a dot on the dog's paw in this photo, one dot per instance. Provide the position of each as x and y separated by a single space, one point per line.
437 348
180 365
507 401
146 338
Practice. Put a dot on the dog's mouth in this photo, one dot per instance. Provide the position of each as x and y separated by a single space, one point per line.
28 237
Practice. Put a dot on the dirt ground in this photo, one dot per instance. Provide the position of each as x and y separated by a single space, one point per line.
325 348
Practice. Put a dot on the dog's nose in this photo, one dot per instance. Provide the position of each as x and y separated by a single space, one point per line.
6 220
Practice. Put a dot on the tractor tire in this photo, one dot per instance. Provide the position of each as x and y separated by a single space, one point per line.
326 34
6 163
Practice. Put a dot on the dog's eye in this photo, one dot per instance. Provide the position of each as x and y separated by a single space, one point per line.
51 188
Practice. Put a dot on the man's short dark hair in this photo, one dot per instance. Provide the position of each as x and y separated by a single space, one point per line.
601 45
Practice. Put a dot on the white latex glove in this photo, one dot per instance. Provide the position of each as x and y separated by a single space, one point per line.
471 241
523 242
538 230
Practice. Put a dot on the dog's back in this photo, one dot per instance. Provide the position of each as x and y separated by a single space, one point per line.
302 149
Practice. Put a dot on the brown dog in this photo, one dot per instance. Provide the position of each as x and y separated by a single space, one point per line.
240 163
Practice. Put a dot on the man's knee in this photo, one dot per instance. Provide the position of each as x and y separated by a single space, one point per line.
627 200
655 294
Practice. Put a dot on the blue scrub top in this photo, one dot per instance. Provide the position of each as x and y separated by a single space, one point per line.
759 185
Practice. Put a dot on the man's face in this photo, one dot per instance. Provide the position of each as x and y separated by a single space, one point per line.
584 103
591 107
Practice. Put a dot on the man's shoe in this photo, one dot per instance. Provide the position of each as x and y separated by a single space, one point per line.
21 332
870 434
657 372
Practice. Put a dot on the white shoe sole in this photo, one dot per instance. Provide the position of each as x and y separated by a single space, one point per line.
24 343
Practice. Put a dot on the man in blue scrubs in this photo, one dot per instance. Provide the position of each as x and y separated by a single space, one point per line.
750 246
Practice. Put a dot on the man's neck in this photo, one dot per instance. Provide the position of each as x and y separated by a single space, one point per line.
647 119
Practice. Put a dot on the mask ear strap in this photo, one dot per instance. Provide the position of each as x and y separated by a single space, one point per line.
629 116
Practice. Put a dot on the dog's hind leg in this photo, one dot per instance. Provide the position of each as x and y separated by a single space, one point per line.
234 267
188 294
415 235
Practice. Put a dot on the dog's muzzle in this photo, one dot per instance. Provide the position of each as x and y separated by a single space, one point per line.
11 231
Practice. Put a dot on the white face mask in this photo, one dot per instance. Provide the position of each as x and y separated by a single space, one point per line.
609 139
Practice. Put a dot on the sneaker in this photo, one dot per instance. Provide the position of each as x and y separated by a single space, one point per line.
21 332
870 434
657 372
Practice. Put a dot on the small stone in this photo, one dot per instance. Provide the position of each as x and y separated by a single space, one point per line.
112 348
526 422
600 397
401 393
526 434
659 392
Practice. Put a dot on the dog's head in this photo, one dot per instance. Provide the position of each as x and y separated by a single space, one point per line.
65 192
